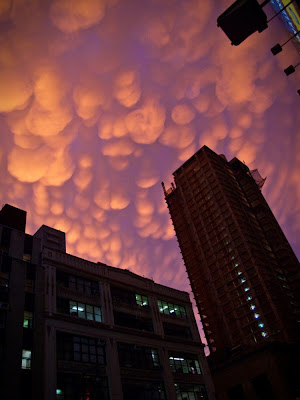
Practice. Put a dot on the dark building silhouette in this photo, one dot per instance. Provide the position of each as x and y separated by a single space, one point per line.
242 270
71 329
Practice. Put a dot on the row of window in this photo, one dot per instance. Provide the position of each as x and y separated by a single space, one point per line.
119 295
93 313
70 386
91 350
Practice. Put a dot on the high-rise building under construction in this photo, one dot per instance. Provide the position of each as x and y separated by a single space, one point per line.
242 270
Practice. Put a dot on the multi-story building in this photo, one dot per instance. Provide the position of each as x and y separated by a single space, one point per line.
72 329
242 270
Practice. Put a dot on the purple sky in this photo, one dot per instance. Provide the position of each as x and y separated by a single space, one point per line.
101 100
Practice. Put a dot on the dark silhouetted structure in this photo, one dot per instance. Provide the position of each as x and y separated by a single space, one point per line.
72 329
242 270
242 19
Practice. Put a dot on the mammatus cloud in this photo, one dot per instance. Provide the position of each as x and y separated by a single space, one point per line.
101 100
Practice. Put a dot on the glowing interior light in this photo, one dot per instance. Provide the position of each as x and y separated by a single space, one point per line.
264 334
246 289
171 311
236 264
145 303
176 358
256 315
77 309
239 272
252 307
261 325
243 280
58 391
249 298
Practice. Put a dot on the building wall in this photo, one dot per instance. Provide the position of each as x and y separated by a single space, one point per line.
244 289
111 334
43 291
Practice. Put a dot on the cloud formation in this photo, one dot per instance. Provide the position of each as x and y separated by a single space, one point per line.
101 100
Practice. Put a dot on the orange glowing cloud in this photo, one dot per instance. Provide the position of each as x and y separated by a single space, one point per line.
178 136
146 123
127 88
88 98
29 165
72 15
121 147
15 90
101 100
183 114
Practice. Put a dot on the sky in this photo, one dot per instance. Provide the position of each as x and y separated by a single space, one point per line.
101 100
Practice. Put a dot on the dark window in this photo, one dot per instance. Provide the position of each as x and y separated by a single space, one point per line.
140 357
27 253
184 363
4 292
236 393
262 387
5 263
2 319
76 283
29 302
121 296
190 391
5 239
78 309
30 271
143 390
177 330
80 349
26 384
81 386
133 321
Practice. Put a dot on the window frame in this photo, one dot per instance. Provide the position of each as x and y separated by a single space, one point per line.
174 310
180 363
66 306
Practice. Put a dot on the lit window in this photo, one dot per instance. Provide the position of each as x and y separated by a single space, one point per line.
26 359
190 391
171 309
27 322
59 394
27 257
85 311
141 300
77 309
256 315
184 363
140 357
155 358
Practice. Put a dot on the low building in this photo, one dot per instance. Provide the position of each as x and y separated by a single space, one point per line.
72 329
